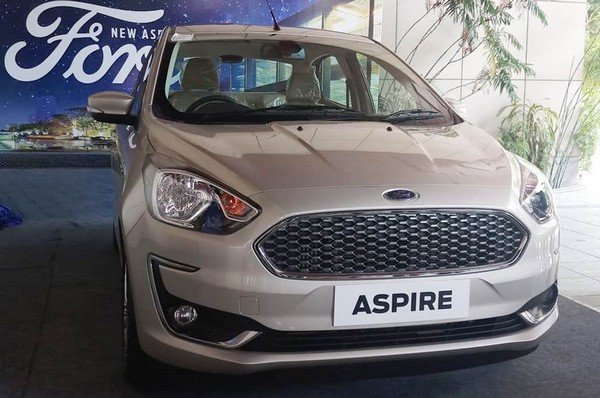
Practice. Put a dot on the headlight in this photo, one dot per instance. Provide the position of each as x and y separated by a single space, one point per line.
189 201
536 197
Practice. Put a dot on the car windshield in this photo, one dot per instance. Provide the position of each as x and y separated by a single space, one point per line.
231 81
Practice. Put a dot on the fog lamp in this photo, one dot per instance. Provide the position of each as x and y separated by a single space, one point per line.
184 315
541 306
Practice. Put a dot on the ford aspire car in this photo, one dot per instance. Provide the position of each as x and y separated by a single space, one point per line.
300 197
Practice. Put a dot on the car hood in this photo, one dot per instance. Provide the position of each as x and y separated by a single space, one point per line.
286 155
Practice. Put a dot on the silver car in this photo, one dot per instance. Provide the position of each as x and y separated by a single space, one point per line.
302 197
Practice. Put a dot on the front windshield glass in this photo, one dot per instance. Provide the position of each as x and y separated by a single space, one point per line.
231 81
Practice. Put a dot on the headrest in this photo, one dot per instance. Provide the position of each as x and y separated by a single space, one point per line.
200 74
303 87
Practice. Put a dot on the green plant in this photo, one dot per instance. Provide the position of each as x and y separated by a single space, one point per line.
528 130
579 115
587 138
484 25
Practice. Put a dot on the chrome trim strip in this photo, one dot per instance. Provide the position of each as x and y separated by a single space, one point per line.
163 262
532 322
236 342
301 276
239 340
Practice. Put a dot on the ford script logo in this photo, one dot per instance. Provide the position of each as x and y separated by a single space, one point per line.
398 195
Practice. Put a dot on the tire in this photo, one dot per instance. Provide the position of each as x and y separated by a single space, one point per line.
139 366
115 239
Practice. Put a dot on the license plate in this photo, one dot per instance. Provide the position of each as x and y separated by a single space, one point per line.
402 301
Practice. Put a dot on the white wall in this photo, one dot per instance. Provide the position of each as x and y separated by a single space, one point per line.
550 50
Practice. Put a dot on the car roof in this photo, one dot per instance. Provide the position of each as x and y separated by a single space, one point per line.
199 32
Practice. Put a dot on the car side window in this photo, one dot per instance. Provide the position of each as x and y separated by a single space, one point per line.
334 83
389 94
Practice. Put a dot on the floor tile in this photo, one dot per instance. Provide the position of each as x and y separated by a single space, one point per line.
568 255
579 287
591 269
566 273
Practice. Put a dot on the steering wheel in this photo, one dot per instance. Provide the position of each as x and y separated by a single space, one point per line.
219 104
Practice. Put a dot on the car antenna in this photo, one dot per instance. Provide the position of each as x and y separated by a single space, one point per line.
275 24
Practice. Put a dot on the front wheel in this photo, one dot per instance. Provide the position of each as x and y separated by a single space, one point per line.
138 365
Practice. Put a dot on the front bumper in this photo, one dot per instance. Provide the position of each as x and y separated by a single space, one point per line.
232 279
178 352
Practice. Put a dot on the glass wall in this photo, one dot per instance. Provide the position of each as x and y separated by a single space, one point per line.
358 17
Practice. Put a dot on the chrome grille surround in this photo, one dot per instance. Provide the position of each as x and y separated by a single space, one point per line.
392 243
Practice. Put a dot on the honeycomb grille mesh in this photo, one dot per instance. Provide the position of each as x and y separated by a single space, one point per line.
391 242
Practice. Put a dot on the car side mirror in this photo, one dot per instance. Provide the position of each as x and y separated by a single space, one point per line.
458 106
111 107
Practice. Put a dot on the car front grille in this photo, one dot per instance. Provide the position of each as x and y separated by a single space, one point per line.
277 341
377 243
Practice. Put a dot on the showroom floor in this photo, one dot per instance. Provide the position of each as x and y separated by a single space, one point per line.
60 326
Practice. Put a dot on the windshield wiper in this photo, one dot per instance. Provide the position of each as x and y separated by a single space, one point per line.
293 111
411 114
286 111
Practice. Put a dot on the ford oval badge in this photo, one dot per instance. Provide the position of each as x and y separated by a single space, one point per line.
398 195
